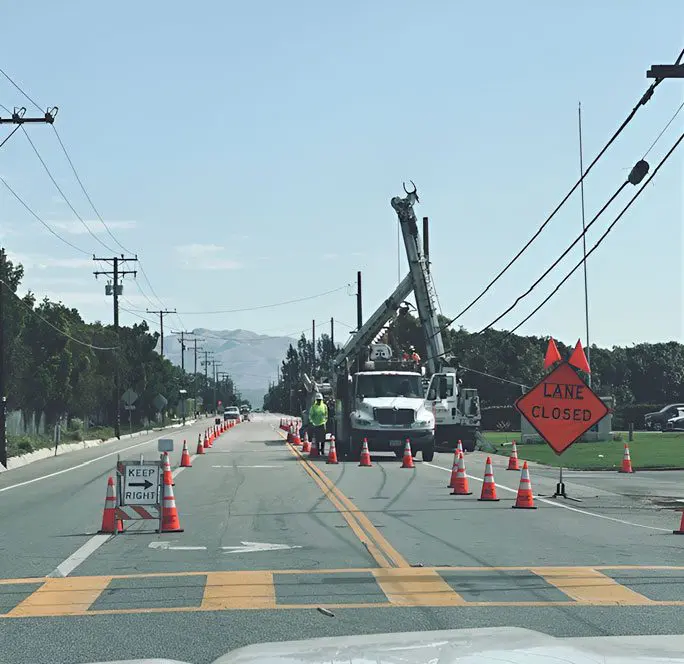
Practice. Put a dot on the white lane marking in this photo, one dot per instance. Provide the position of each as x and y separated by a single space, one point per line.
246 466
96 541
166 546
555 504
252 547
80 465
76 558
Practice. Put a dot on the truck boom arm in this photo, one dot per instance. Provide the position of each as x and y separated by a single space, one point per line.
372 327
422 286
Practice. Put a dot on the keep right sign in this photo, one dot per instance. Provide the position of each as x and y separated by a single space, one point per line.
561 407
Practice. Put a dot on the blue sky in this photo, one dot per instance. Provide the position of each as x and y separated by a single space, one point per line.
248 152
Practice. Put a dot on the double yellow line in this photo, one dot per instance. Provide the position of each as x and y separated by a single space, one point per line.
384 554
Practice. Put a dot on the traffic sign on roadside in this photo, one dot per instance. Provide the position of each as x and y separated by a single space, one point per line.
561 407
141 483
129 397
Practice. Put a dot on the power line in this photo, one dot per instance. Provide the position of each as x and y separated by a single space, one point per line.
39 219
591 251
63 195
663 130
569 248
16 85
54 327
266 306
645 98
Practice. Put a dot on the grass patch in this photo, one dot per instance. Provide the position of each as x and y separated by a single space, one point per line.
19 445
647 450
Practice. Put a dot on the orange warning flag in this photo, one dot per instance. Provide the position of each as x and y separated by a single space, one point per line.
552 355
578 359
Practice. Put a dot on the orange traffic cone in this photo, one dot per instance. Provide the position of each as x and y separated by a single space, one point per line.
206 441
454 471
525 500
407 461
110 524
513 459
365 459
461 487
488 486
185 457
170 520
626 462
296 440
332 452
681 527
168 476
289 434
459 447
210 439
306 444
200 447
313 452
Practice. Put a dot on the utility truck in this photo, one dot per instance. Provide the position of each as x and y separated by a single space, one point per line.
387 400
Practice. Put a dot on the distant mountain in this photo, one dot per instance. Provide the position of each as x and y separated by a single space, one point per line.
251 359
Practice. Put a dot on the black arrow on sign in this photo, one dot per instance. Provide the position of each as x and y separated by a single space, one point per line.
146 484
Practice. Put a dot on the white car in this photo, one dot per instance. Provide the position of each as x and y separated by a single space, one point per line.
231 413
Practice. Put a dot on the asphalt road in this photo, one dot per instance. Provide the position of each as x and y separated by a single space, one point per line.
269 539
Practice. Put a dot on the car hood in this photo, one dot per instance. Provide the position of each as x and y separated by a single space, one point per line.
461 646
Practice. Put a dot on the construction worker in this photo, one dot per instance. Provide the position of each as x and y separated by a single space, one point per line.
318 419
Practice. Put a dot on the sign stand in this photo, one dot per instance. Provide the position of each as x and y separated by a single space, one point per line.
560 489
139 490
561 408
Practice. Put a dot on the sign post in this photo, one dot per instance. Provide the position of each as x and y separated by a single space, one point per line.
561 408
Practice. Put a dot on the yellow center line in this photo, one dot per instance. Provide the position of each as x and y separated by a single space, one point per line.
378 546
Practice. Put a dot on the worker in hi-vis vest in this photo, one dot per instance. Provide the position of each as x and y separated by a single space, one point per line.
318 419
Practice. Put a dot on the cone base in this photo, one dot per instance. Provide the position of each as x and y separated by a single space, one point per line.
524 507
332 463
625 471
466 493
171 530
678 532
187 465
518 469
489 500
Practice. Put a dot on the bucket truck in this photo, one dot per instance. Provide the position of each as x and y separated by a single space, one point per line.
381 398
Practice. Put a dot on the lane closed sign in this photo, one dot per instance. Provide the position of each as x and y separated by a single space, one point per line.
561 407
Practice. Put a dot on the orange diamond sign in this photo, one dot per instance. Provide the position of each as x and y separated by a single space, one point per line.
561 407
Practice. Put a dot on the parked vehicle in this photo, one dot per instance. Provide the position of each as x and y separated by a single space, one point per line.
658 421
231 413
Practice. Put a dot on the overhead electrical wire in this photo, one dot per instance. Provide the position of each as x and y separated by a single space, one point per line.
83 189
41 220
265 306
645 98
14 131
600 240
568 249
53 326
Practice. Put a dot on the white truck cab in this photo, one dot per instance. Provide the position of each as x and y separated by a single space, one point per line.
388 408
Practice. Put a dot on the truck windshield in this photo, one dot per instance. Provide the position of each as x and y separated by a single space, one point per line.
387 385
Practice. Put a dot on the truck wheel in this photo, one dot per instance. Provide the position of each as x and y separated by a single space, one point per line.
428 454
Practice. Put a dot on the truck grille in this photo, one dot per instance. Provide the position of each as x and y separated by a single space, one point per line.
392 416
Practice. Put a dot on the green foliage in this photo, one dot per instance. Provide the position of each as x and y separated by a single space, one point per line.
642 377
46 372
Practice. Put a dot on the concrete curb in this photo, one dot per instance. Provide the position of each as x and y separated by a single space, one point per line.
46 452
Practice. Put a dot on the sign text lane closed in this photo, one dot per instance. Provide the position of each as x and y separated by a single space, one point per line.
561 407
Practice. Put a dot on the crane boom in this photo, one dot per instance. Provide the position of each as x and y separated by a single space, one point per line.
422 286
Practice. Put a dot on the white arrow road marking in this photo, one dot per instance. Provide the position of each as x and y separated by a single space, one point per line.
252 547
166 546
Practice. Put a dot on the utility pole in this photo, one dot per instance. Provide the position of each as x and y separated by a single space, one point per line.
313 348
194 374
161 324
359 312
216 364
182 334
3 397
205 364
17 118
115 291
332 332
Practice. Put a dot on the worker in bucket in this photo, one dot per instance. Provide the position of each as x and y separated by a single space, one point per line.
318 419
